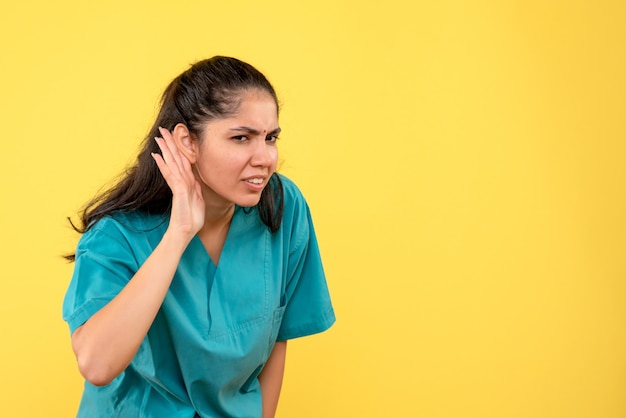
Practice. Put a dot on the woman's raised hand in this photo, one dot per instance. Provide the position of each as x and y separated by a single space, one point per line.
187 215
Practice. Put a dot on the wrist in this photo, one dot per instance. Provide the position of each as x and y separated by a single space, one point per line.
176 241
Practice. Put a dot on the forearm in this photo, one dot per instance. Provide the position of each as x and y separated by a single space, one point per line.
108 341
271 378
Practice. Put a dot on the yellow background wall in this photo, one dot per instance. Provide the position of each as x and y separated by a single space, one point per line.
465 162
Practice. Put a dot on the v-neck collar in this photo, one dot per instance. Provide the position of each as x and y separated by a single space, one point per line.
233 224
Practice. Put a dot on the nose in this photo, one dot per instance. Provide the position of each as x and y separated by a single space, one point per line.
262 153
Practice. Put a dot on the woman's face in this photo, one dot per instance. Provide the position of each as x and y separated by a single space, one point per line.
237 155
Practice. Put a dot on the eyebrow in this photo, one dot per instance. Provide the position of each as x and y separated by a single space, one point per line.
253 131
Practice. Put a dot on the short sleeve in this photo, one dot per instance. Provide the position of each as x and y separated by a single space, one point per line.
308 307
104 265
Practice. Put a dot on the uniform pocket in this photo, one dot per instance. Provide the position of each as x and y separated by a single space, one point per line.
270 328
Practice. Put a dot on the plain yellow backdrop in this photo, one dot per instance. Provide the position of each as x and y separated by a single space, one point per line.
465 162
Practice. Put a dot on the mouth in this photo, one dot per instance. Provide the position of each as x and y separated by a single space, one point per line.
257 180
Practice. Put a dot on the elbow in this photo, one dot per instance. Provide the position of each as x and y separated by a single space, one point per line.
91 364
96 374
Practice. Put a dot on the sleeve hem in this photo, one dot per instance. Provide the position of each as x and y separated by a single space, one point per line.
81 315
321 325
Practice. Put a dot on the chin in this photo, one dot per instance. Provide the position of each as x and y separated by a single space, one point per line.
249 201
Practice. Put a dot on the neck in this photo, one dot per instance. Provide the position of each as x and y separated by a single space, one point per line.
218 216
215 230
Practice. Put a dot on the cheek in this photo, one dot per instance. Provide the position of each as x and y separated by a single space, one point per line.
274 157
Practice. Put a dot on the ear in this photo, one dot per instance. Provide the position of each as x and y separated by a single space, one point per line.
185 143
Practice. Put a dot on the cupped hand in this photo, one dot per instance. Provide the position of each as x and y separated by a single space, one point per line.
187 215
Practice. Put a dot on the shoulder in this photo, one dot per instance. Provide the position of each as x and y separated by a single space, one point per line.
122 227
292 195
295 206
297 222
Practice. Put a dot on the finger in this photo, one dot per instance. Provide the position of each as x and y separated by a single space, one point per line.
171 145
186 168
181 159
171 178
177 177
162 165
168 158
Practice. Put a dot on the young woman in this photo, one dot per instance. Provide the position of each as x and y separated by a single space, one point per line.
197 267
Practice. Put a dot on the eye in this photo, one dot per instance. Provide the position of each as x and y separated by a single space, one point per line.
239 138
272 138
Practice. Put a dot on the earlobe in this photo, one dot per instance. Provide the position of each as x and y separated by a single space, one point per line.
185 142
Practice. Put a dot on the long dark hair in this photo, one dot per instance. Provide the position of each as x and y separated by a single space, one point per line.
208 90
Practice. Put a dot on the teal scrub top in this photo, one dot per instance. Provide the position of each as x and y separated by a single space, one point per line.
217 324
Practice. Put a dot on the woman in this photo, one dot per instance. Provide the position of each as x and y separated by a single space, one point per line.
197 267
